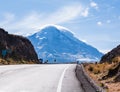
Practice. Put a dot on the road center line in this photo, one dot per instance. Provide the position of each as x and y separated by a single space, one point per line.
61 79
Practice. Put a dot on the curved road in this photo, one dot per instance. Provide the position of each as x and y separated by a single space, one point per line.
39 78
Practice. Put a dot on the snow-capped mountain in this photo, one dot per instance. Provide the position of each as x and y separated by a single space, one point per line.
55 43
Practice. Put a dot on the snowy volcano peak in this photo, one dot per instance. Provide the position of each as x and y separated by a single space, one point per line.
56 42
52 26
51 30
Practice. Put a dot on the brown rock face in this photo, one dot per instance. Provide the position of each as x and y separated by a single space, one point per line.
117 78
17 48
111 55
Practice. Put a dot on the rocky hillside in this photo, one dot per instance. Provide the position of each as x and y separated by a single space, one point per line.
112 55
16 49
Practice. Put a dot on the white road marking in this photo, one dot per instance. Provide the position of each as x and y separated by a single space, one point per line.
47 78
61 79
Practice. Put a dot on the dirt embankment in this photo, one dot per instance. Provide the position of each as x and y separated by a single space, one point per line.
87 83
105 74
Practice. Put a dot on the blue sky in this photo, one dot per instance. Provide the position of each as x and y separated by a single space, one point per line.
96 22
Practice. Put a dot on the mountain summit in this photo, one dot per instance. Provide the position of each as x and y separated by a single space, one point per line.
55 43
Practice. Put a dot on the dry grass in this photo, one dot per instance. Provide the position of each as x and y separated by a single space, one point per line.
13 62
97 71
113 87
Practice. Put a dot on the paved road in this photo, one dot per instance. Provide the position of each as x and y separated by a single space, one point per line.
39 78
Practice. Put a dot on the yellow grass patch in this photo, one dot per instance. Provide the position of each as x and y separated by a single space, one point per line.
97 71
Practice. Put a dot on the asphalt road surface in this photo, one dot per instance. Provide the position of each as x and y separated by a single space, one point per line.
39 78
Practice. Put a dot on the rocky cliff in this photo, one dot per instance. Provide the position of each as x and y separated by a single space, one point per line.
111 55
16 49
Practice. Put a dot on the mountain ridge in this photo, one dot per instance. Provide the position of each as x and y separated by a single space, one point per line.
59 43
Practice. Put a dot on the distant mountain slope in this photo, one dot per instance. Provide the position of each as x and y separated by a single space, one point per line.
59 44
111 55
16 49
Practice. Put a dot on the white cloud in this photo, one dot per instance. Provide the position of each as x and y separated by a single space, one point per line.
85 12
83 40
32 22
104 51
65 14
99 23
94 5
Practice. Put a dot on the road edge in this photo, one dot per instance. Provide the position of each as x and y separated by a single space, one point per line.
59 87
91 81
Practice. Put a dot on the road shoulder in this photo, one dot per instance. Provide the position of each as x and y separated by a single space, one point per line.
70 81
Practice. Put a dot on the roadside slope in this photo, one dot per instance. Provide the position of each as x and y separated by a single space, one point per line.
16 49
